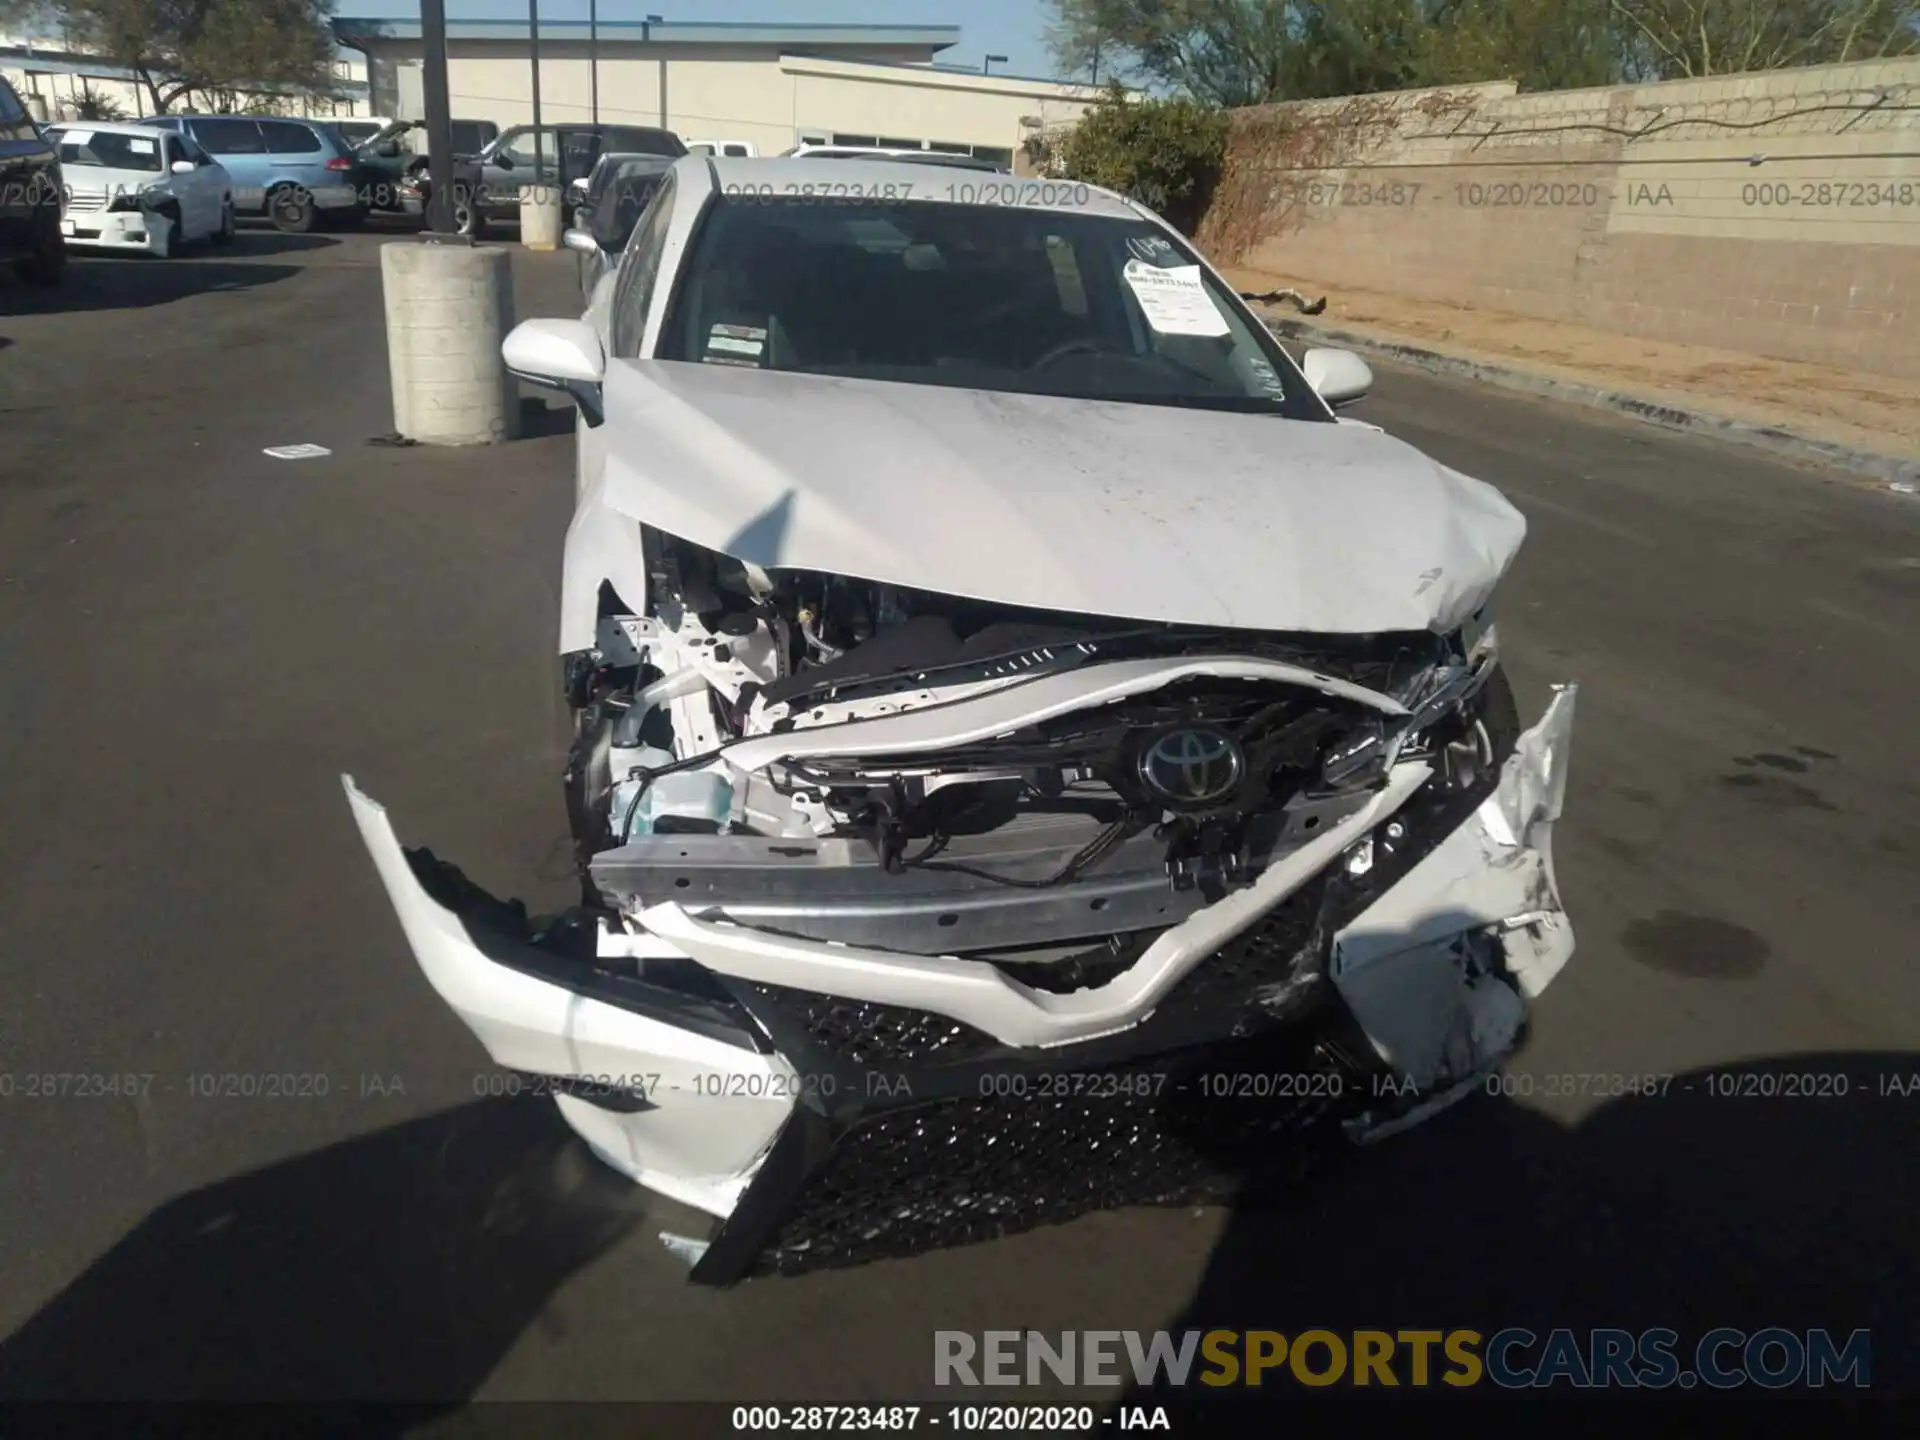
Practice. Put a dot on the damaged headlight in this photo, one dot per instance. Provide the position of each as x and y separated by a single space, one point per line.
1480 639
1442 699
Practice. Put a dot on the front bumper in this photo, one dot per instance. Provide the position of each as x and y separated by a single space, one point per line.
138 231
829 1104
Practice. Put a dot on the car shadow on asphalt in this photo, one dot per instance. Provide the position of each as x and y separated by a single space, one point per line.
1771 1193
138 283
251 240
398 1268
395 1268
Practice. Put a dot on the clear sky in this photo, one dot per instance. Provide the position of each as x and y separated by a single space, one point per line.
1014 28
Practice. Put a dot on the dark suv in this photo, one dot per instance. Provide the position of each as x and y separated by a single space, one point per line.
29 196
487 186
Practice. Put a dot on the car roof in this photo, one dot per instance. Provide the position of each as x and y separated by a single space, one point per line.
104 127
281 119
945 183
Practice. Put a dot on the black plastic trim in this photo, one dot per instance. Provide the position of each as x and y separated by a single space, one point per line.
486 919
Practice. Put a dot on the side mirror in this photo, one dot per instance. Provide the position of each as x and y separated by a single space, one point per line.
581 240
504 160
388 149
1339 377
184 167
559 355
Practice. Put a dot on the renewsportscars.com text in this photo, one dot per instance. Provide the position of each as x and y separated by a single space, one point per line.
1513 1358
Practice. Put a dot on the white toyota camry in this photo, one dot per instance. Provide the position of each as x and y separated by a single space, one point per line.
1032 753
132 187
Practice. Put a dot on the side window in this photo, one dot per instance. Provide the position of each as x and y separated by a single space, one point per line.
193 152
13 115
284 139
229 137
640 271
527 149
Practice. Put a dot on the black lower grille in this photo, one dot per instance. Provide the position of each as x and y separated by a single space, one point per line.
1267 967
1190 1130
860 1033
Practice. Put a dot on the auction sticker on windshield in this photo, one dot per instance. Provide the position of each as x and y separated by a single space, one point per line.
1174 300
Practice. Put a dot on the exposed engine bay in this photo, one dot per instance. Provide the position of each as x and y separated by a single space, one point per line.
734 709
1047 878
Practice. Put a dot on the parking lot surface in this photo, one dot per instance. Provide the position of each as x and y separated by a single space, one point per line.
196 640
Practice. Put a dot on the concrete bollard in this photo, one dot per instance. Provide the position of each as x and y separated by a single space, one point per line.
448 309
540 217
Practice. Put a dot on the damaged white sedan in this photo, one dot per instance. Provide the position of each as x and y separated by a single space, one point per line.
1031 754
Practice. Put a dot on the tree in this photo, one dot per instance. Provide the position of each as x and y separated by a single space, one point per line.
92 104
1221 52
1243 52
176 48
1077 39
1542 44
1167 154
1246 52
1668 39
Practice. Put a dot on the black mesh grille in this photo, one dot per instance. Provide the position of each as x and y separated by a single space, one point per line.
964 1170
1269 966
865 1034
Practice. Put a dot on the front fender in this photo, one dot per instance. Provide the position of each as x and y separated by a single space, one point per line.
602 546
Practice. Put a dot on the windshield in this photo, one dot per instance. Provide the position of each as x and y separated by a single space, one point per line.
987 297
109 150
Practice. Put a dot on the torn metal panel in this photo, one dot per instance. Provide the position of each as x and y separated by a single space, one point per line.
1435 970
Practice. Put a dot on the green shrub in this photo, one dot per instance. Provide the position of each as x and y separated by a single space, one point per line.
1167 154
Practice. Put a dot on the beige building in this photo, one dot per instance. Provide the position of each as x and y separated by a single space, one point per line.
772 85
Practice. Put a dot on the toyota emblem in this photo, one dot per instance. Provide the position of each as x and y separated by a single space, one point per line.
1192 766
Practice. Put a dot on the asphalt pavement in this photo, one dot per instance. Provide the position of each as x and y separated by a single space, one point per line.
196 640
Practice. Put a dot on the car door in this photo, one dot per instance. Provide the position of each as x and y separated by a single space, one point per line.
526 154
209 181
579 150
294 154
238 145
186 190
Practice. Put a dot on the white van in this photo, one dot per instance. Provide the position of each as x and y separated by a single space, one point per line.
735 149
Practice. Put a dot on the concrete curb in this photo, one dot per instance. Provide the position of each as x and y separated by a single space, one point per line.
1889 468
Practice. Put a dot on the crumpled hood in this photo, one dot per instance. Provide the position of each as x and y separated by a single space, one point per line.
1138 511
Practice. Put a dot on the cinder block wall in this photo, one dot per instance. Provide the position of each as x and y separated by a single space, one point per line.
1776 213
